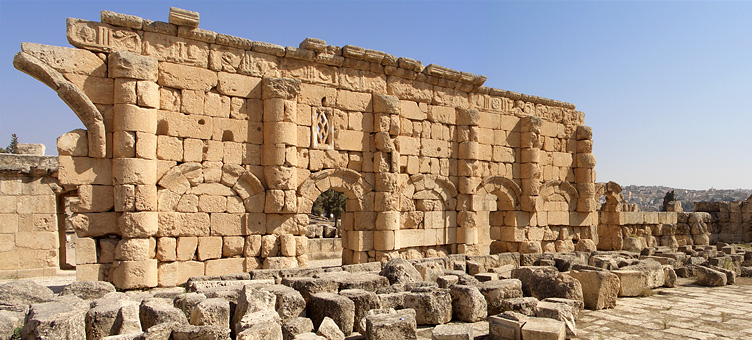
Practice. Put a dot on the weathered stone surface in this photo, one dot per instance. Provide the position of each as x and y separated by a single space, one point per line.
329 329
114 314
24 292
432 307
251 300
497 291
56 320
400 271
599 288
452 332
155 311
561 312
506 326
308 286
631 282
652 271
297 325
523 305
364 301
211 312
259 325
543 329
290 302
468 304
202 332
337 307
392 326
546 282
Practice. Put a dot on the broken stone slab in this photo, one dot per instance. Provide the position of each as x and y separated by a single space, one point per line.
345 280
309 336
433 307
88 290
543 329
392 326
253 300
65 320
631 282
445 281
9 322
463 278
154 311
364 301
506 326
497 291
653 271
730 274
710 277
337 307
308 286
576 305
24 292
290 302
202 332
599 288
298 325
187 301
259 325
523 305
211 312
399 270
453 332
468 304
669 277
330 330
112 315
545 282
558 311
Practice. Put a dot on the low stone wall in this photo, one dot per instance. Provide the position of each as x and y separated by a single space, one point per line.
29 230
730 222
324 248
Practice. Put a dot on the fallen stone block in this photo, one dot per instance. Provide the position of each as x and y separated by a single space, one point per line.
468 304
506 326
88 290
154 311
9 322
203 332
523 305
309 336
631 282
186 302
253 300
576 305
445 281
212 312
345 280
112 315
308 286
295 326
599 288
452 332
669 277
710 277
329 330
546 282
497 291
400 271
364 301
730 275
24 292
398 325
558 311
290 302
543 329
261 325
56 320
431 307
337 307
653 271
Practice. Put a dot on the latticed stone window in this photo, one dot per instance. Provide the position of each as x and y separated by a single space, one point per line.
322 130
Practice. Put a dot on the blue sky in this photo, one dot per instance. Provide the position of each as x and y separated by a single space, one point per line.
666 86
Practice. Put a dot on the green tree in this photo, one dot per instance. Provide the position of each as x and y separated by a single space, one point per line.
330 203
12 147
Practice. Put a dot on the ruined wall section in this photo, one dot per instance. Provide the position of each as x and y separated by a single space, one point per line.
730 222
29 236
204 152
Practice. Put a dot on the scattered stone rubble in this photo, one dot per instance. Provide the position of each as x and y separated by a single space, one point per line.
533 300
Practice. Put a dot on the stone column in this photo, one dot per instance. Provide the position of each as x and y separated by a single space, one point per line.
386 166
134 168
584 165
468 219
279 246
530 170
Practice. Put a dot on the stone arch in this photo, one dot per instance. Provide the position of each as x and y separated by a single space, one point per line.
504 188
179 179
73 96
428 187
613 195
552 190
349 182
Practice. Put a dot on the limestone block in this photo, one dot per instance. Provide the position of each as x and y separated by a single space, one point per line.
73 143
280 177
468 304
388 220
84 170
209 248
186 77
94 224
138 224
585 160
352 140
166 249
354 101
124 64
269 246
280 262
67 60
214 311
133 249
98 90
124 144
183 17
285 88
227 224
134 171
186 270
232 246
337 307
544 329
453 332
288 245
186 248
94 198
225 266
134 274
599 288
216 105
125 91
391 325
169 148
86 250
128 117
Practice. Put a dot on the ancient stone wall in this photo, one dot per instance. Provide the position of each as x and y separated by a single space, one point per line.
731 222
29 234
203 153
623 227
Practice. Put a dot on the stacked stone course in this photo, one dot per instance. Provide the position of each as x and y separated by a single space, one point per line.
203 153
